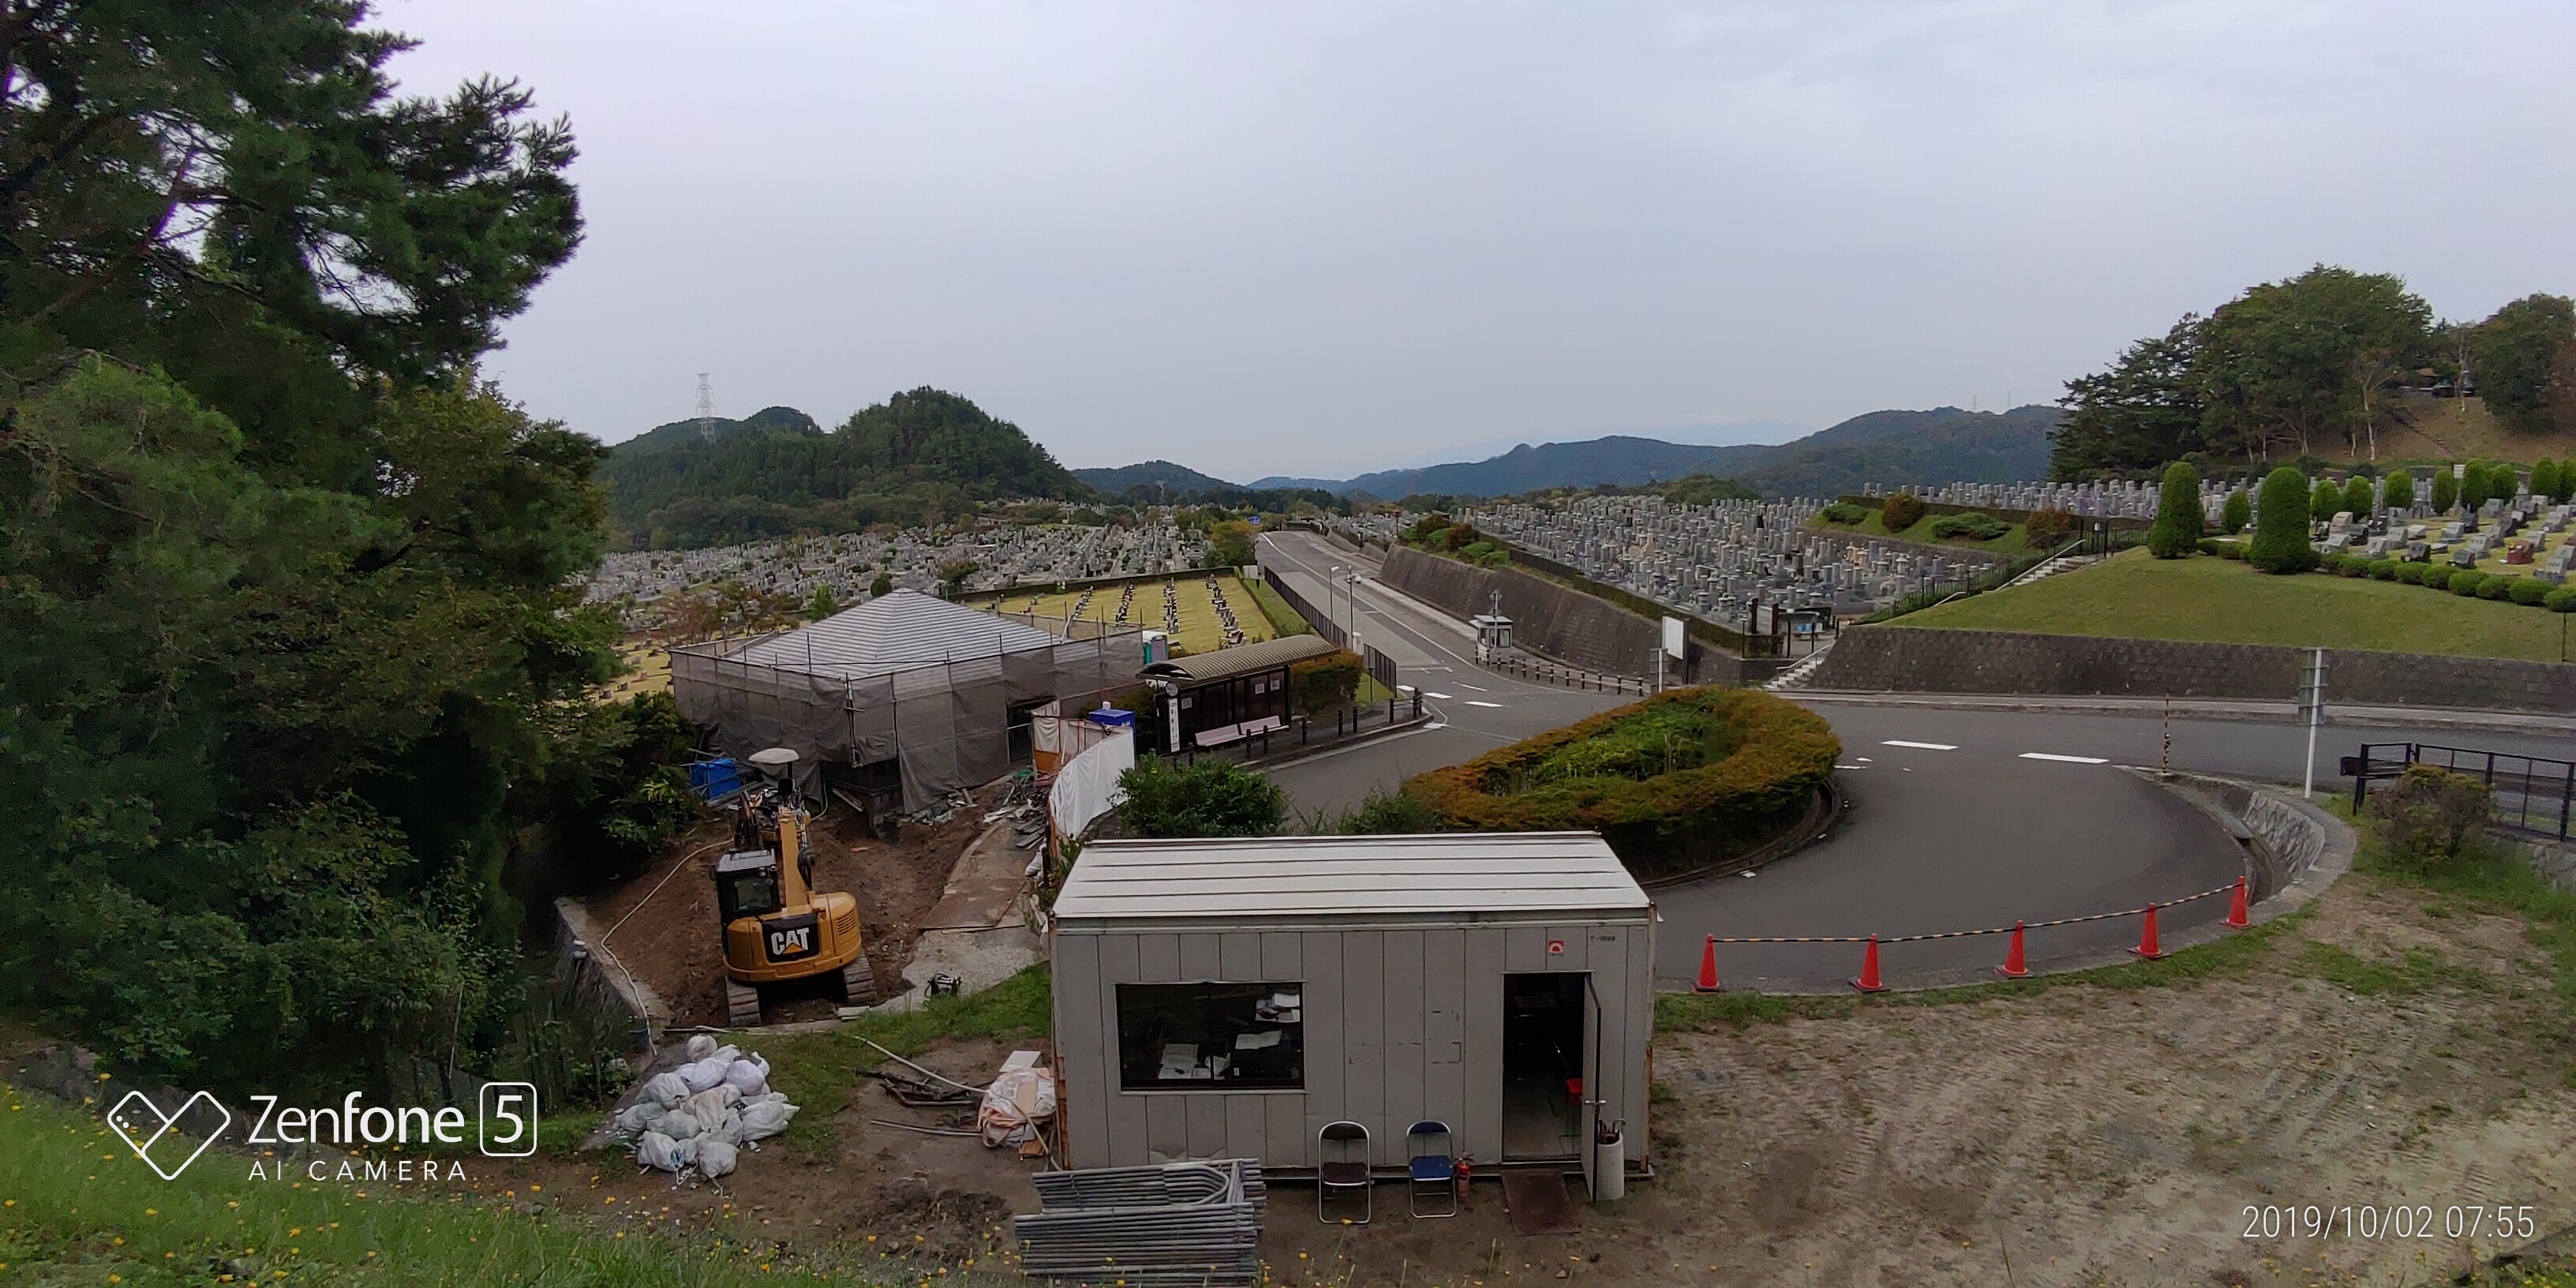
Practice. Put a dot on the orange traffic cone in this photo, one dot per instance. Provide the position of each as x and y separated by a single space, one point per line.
1708 968
2013 967
2147 946
1868 981
2236 919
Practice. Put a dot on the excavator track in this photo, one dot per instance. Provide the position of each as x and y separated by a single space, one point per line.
859 982
742 1005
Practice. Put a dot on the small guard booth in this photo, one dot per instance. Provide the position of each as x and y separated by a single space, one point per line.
1230 998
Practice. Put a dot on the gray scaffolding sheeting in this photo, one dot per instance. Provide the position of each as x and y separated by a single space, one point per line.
946 723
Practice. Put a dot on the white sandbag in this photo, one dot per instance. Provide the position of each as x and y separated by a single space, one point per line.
765 1119
658 1150
701 1046
679 1124
709 1105
748 1075
636 1119
715 1158
665 1089
1014 1106
702 1074
729 1131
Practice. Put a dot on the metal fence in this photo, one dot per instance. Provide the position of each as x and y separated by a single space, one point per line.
1381 668
1322 622
2526 793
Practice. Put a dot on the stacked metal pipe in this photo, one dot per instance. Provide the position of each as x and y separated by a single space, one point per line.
1179 1224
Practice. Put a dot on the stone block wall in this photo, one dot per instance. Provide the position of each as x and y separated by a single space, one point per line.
1552 620
1916 660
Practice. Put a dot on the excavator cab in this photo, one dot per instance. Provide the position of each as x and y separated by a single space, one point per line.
777 928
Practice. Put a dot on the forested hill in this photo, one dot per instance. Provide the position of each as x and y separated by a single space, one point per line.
1943 445
664 437
1180 479
918 457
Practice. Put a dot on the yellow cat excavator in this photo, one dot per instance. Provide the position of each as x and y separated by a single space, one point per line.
776 927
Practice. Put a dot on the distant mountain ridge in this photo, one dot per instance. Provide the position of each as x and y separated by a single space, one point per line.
1942 445
662 438
1179 478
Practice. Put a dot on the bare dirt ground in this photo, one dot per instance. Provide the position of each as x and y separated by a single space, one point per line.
2080 1136
673 942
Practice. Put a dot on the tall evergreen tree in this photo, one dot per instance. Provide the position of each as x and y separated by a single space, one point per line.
2446 488
2281 525
2176 531
2397 491
2237 513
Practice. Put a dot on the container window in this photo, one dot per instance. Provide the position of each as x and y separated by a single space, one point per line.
1242 1037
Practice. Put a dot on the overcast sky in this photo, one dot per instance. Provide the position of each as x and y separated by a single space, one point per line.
1321 238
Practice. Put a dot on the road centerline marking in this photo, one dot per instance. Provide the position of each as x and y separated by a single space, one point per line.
2069 760
1919 746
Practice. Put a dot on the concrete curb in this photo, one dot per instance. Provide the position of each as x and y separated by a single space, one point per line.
2333 859
2201 709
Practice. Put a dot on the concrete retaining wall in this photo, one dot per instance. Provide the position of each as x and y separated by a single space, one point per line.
1915 660
1552 620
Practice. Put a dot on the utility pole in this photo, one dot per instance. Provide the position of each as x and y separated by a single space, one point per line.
2312 700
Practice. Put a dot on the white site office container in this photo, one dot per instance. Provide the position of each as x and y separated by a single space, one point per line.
1500 983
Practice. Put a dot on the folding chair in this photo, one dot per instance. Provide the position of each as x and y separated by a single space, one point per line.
1335 1169
1430 1166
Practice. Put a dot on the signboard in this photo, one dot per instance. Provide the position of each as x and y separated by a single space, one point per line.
1676 639
1555 947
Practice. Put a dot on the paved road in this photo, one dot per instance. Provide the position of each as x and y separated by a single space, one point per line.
1977 828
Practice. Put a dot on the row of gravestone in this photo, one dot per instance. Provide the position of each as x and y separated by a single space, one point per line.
2462 542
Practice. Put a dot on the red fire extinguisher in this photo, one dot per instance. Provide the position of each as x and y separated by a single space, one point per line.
1460 1172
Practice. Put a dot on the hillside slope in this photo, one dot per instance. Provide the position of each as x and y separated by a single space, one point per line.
1181 479
918 457
662 438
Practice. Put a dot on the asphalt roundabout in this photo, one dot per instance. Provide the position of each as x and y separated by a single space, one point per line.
1945 832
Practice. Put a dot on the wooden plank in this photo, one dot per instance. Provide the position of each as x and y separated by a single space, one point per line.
1167 1129
1481 1010
1239 957
1089 1054
1207 1124
1405 1036
1200 958
1364 1035
1444 966
1158 958
1325 1014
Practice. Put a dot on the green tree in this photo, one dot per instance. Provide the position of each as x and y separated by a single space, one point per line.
2356 495
2324 501
1230 544
2446 488
2144 411
1208 798
2280 542
2544 478
2477 483
2176 531
2512 353
2307 358
823 604
2397 491
882 586
2237 513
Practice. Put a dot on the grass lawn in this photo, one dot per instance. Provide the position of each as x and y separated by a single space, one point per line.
1200 631
2137 596
2009 544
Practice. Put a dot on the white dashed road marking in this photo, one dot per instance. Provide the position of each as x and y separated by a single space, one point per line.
1919 746
1477 687
1474 703
2071 760
1436 697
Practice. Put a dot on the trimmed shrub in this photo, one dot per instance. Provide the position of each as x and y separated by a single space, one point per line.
1845 512
2545 478
1679 781
2466 581
2446 489
2237 513
2429 813
2177 528
2527 592
2383 570
2561 600
2048 529
2478 484
2357 495
1320 684
1900 512
2495 587
2324 500
1209 798
2352 566
2397 491
2281 525
2412 573
1975 525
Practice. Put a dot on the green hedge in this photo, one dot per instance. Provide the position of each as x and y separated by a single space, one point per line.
1747 765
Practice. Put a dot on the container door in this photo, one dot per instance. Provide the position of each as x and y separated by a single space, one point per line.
1588 1124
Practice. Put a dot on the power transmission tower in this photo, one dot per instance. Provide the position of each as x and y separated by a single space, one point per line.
706 409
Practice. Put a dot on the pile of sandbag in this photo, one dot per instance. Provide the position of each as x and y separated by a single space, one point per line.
699 1116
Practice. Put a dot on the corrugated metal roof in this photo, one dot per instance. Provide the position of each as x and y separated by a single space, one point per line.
1243 659
894 632
1266 878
